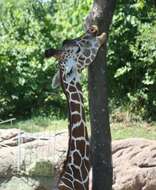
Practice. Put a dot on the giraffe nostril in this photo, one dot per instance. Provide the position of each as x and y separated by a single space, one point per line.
69 73
78 50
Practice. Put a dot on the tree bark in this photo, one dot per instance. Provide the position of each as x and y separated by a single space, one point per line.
100 15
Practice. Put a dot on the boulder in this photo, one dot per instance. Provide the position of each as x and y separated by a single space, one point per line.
134 164
30 161
26 183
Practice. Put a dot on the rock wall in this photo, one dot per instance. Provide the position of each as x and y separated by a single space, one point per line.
134 163
30 161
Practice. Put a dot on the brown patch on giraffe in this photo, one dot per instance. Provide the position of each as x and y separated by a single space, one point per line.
78 86
63 188
74 107
75 96
72 89
68 170
87 52
69 159
94 51
81 58
81 63
92 57
78 132
88 61
76 118
72 146
79 66
78 186
87 150
68 177
80 145
67 182
78 97
76 172
77 158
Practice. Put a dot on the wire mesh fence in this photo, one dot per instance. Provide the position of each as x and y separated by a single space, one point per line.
35 154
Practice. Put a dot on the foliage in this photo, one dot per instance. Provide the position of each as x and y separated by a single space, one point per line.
28 27
132 58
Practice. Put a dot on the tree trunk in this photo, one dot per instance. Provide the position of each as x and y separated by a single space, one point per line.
101 15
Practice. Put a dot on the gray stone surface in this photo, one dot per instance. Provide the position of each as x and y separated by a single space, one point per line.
134 163
30 164
26 183
33 164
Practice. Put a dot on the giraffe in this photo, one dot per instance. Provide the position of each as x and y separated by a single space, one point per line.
73 57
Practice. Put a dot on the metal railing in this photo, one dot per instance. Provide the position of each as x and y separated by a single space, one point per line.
7 121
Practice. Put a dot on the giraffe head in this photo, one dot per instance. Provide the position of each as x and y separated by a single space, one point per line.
76 54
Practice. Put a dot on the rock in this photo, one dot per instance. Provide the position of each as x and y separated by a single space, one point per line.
41 168
28 161
32 164
8 162
134 164
6 134
26 183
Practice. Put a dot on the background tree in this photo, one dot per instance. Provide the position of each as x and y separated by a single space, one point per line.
101 15
27 28
131 59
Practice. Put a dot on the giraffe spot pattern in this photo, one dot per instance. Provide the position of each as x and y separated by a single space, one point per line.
92 57
78 132
80 145
75 118
78 185
66 175
77 160
74 107
82 51
87 61
84 170
67 182
76 172
87 52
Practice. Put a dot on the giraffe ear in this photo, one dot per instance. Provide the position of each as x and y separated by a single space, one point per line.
56 82
53 53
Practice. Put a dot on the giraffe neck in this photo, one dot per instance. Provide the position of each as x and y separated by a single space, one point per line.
76 170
